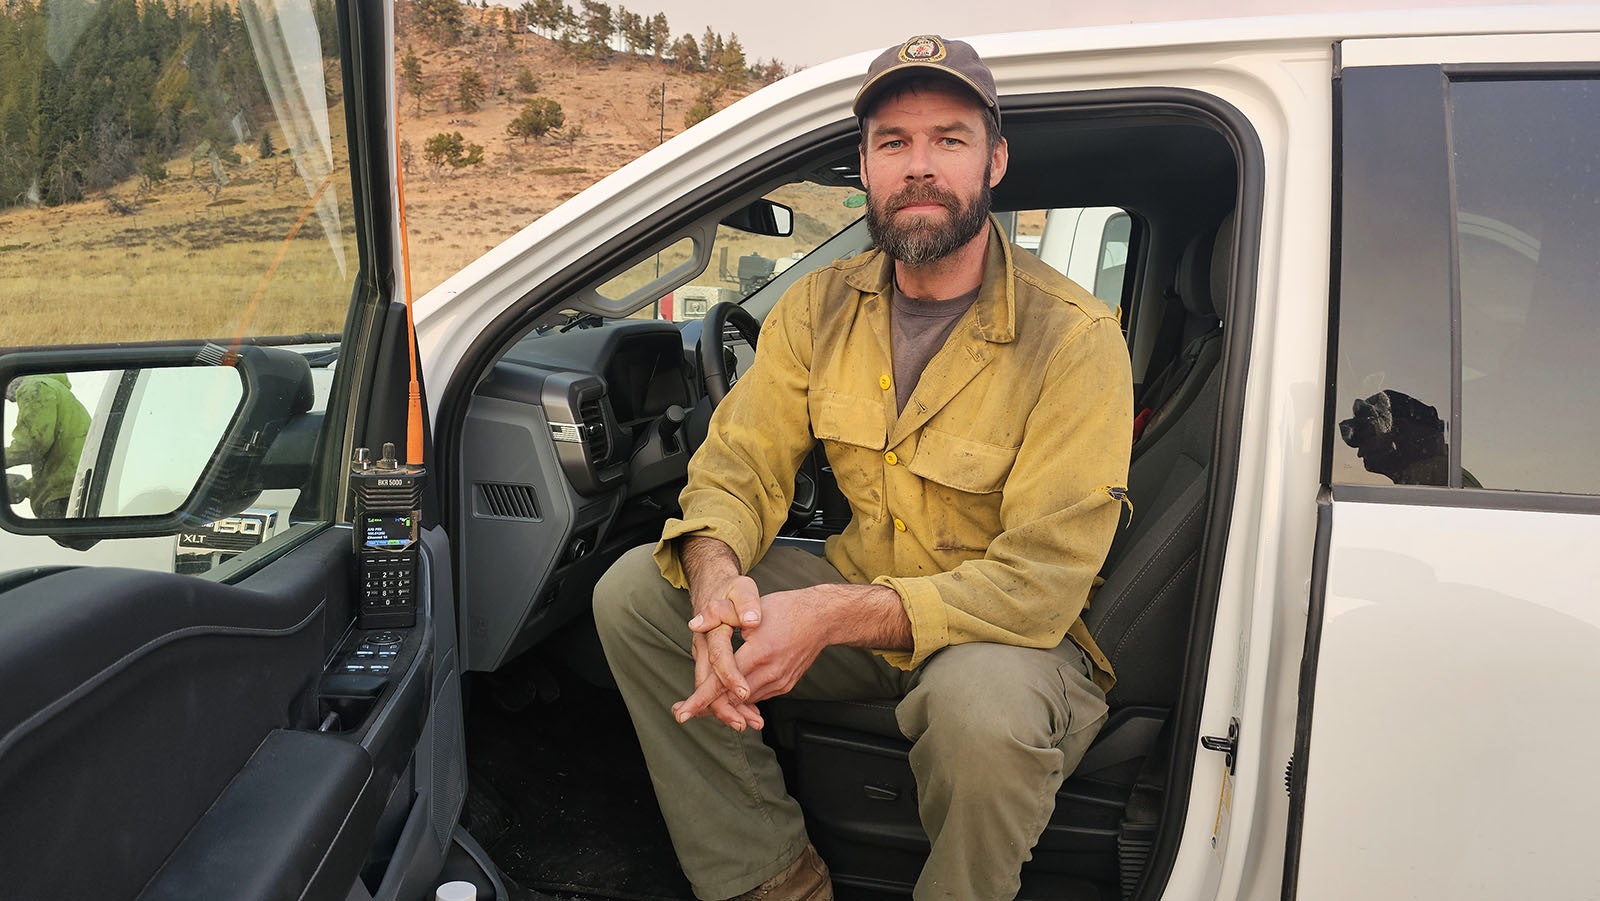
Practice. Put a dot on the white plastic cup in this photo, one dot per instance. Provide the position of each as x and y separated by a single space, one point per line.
456 891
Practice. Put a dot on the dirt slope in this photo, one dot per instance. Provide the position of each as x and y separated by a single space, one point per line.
456 215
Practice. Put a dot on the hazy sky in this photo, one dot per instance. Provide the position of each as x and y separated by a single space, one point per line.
807 32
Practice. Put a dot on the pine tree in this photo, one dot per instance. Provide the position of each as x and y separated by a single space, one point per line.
539 117
470 90
710 49
660 35
411 79
442 19
704 105
451 149
597 26
686 53
731 62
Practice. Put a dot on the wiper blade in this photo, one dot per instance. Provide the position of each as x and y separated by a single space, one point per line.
583 320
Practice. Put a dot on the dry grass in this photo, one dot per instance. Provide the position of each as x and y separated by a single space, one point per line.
170 271
184 265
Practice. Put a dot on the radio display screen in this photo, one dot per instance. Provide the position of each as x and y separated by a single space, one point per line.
390 531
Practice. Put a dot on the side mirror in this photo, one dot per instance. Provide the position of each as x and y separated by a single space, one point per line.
762 217
137 442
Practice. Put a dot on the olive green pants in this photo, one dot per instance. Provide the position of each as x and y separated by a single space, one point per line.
995 731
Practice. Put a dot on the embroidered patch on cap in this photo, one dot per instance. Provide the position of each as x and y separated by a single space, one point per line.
922 49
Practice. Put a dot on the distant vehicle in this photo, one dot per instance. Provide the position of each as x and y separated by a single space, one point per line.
691 302
1352 612
1090 246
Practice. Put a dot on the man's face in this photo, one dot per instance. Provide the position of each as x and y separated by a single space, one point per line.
927 169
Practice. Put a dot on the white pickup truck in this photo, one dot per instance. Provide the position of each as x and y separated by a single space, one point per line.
1358 271
1357 639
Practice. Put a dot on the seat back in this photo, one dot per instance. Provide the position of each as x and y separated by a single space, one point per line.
1140 615
1203 282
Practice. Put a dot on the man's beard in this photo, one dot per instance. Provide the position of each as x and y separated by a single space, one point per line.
920 242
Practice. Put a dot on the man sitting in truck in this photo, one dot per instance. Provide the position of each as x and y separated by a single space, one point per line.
975 409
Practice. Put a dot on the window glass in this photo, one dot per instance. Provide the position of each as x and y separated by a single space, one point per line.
1527 192
1090 246
1391 410
647 270
1108 279
170 171
742 262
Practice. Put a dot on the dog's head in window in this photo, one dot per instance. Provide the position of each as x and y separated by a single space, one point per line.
1398 436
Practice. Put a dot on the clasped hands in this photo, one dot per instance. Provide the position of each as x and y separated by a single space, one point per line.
782 635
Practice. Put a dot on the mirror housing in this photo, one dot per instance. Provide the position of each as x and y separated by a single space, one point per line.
276 388
762 217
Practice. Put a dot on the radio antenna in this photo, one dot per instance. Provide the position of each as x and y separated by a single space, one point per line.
414 405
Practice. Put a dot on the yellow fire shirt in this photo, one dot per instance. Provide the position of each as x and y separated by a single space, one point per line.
987 504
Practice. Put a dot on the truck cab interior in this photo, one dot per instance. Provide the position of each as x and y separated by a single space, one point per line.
565 439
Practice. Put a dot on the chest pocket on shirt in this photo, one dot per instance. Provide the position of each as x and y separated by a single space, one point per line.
975 467
848 419
852 432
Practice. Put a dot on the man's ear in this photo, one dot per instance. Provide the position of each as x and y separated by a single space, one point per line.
998 162
861 156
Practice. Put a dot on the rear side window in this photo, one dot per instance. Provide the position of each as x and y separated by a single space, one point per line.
1468 307
1527 194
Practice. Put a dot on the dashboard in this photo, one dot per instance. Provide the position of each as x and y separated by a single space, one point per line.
574 448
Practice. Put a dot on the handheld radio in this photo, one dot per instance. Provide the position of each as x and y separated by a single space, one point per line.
388 498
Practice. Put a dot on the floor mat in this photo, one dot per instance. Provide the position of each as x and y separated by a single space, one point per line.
559 796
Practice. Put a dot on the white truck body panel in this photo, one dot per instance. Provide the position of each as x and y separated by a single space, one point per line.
1278 75
1457 684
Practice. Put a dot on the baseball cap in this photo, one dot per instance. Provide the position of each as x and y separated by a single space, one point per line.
929 53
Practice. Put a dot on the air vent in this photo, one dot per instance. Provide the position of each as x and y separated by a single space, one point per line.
595 436
507 501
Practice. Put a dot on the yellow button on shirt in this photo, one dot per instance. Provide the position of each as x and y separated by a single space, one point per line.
884 382
899 524
890 458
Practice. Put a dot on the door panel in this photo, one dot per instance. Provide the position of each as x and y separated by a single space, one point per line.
140 701
132 699
1459 667
232 733
1452 670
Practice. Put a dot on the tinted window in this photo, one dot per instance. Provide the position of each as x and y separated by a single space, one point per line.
1391 407
1527 192
1468 319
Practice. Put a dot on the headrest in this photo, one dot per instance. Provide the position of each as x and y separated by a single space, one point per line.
1193 282
1205 270
1222 265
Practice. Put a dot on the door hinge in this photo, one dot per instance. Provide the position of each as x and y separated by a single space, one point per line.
1228 746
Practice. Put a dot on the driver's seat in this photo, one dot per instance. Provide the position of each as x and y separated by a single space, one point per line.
850 769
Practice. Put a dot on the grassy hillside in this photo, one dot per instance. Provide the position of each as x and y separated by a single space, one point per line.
611 104
189 256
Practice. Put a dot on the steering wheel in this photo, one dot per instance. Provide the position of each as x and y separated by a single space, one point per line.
714 357
713 354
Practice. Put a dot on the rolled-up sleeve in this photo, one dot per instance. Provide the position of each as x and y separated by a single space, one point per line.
741 480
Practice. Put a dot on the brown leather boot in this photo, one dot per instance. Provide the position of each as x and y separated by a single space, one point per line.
804 880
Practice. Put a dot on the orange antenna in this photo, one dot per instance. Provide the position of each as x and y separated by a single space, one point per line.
266 277
414 407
